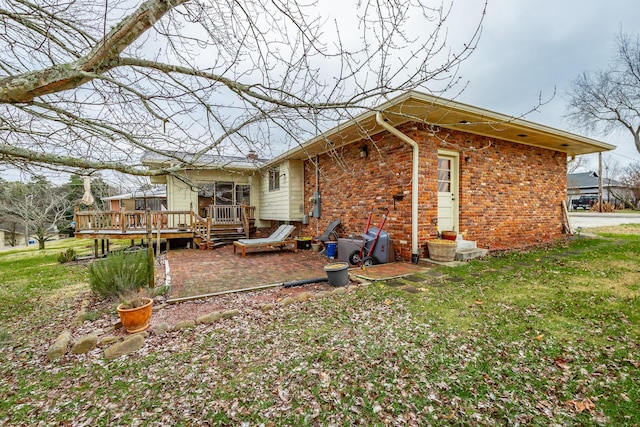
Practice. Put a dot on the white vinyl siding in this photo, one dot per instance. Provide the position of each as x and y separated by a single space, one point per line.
180 196
284 204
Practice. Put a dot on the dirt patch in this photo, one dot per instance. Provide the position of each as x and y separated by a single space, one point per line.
191 310
174 313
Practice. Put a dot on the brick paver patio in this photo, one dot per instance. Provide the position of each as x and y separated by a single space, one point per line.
196 272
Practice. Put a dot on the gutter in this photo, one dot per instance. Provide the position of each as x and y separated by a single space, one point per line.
415 254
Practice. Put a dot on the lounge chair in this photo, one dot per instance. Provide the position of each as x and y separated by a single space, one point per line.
330 233
279 239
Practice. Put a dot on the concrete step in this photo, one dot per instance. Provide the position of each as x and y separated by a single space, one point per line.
466 244
468 254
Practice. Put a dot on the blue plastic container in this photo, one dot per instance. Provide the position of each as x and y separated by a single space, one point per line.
332 249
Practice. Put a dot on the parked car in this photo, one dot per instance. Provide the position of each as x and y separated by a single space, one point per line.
584 202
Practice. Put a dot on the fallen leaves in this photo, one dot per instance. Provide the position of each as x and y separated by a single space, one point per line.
581 405
373 357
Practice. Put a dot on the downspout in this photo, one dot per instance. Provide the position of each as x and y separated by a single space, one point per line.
415 254
317 190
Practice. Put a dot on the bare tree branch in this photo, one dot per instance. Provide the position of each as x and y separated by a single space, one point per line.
86 87
610 99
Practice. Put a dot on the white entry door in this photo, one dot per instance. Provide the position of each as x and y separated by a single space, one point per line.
447 192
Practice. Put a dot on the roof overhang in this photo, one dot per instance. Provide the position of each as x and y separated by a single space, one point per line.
447 114
139 194
205 162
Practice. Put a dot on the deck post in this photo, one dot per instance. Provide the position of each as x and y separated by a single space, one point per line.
152 280
76 209
123 216
158 232
191 216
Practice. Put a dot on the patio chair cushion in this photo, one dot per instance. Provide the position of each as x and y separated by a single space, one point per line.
279 238
282 233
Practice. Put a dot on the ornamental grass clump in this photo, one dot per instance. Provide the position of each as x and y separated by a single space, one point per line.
121 273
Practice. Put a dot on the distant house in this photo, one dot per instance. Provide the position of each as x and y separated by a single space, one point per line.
436 164
11 238
152 199
16 239
587 184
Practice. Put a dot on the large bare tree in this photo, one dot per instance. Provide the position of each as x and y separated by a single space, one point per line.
91 85
38 205
631 179
609 99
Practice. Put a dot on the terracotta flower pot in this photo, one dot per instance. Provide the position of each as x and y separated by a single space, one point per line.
136 319
449 235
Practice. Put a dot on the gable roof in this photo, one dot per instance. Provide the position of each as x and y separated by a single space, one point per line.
448 114
589 180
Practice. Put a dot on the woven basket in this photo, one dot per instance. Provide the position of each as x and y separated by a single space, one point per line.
442 250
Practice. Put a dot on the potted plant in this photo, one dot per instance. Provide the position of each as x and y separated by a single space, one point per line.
135 311
123 276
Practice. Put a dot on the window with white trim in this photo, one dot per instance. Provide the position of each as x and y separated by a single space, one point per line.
274 179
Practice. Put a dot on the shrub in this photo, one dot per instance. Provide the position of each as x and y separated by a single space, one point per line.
69 255
606 207
119 274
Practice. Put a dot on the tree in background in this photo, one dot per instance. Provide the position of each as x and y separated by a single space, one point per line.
609 99
9 223
99 189
37 205
75 189
577 163
87 85
631 179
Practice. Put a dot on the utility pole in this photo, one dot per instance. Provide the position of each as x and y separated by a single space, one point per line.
600 182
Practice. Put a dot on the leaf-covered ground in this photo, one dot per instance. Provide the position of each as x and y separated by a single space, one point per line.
541 338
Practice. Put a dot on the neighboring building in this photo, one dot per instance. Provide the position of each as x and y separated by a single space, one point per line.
429 160
8 237
587 184
152 198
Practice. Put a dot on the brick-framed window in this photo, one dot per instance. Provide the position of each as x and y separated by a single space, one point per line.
274 179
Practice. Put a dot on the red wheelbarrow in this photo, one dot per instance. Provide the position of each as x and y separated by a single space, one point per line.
375 244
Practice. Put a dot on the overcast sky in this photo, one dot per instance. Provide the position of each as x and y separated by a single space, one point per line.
530 47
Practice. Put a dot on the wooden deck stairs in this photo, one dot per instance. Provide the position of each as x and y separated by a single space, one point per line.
221 235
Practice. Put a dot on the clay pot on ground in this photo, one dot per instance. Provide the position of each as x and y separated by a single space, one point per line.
449 235
136 319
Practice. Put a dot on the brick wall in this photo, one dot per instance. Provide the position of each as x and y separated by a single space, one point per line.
509 194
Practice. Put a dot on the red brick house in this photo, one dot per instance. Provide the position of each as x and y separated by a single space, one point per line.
430 160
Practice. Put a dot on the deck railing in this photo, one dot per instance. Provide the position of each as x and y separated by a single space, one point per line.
228 214
175 220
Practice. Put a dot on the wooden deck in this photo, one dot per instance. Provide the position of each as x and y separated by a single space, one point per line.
166 225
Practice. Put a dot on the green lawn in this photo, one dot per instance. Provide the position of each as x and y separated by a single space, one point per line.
548 337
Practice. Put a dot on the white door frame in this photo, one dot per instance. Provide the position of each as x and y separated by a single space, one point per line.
454 156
